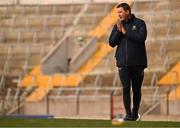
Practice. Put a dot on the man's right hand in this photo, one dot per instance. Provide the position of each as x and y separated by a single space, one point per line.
119 25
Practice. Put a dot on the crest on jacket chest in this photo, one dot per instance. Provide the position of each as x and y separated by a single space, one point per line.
134 27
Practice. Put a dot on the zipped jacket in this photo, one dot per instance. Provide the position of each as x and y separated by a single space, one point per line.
131 50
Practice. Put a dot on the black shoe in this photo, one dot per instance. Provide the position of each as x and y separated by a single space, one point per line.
127 118
136 117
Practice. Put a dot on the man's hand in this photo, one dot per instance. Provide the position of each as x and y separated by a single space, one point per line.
120 26
123 30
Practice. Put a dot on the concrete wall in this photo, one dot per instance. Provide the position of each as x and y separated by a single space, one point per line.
68 107
57 60
174 107
83 54
38 108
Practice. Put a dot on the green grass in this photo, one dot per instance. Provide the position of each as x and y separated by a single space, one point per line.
24 123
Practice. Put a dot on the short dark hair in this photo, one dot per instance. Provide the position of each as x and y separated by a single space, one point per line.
125 6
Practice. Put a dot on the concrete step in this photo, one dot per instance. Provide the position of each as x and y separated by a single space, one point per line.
155 47
22 49
148 75
39 10
29 10
174 4
147 6
160 17
91 19
20 63
106 79
144 6
162 32
36 42
47 22
15 71
155 60
94 8
12 73
31 37
165 5
174 56
157 39
19 57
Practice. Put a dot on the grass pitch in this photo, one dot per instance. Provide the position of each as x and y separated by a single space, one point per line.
37 123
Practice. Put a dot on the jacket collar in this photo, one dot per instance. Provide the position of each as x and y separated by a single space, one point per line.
131 19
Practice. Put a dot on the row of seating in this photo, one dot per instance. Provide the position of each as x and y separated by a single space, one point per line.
28 10
44 22
41 25
72 79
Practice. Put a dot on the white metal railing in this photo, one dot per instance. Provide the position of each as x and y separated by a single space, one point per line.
27 51
155 88
58 93
13 99
157 97
26 61
17 94
5 68
80 14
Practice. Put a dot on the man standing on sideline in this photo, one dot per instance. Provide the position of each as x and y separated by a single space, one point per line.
129 35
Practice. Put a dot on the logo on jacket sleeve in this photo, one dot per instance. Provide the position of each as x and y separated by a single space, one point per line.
134 27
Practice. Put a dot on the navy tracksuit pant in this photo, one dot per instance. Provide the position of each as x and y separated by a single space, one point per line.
131 76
